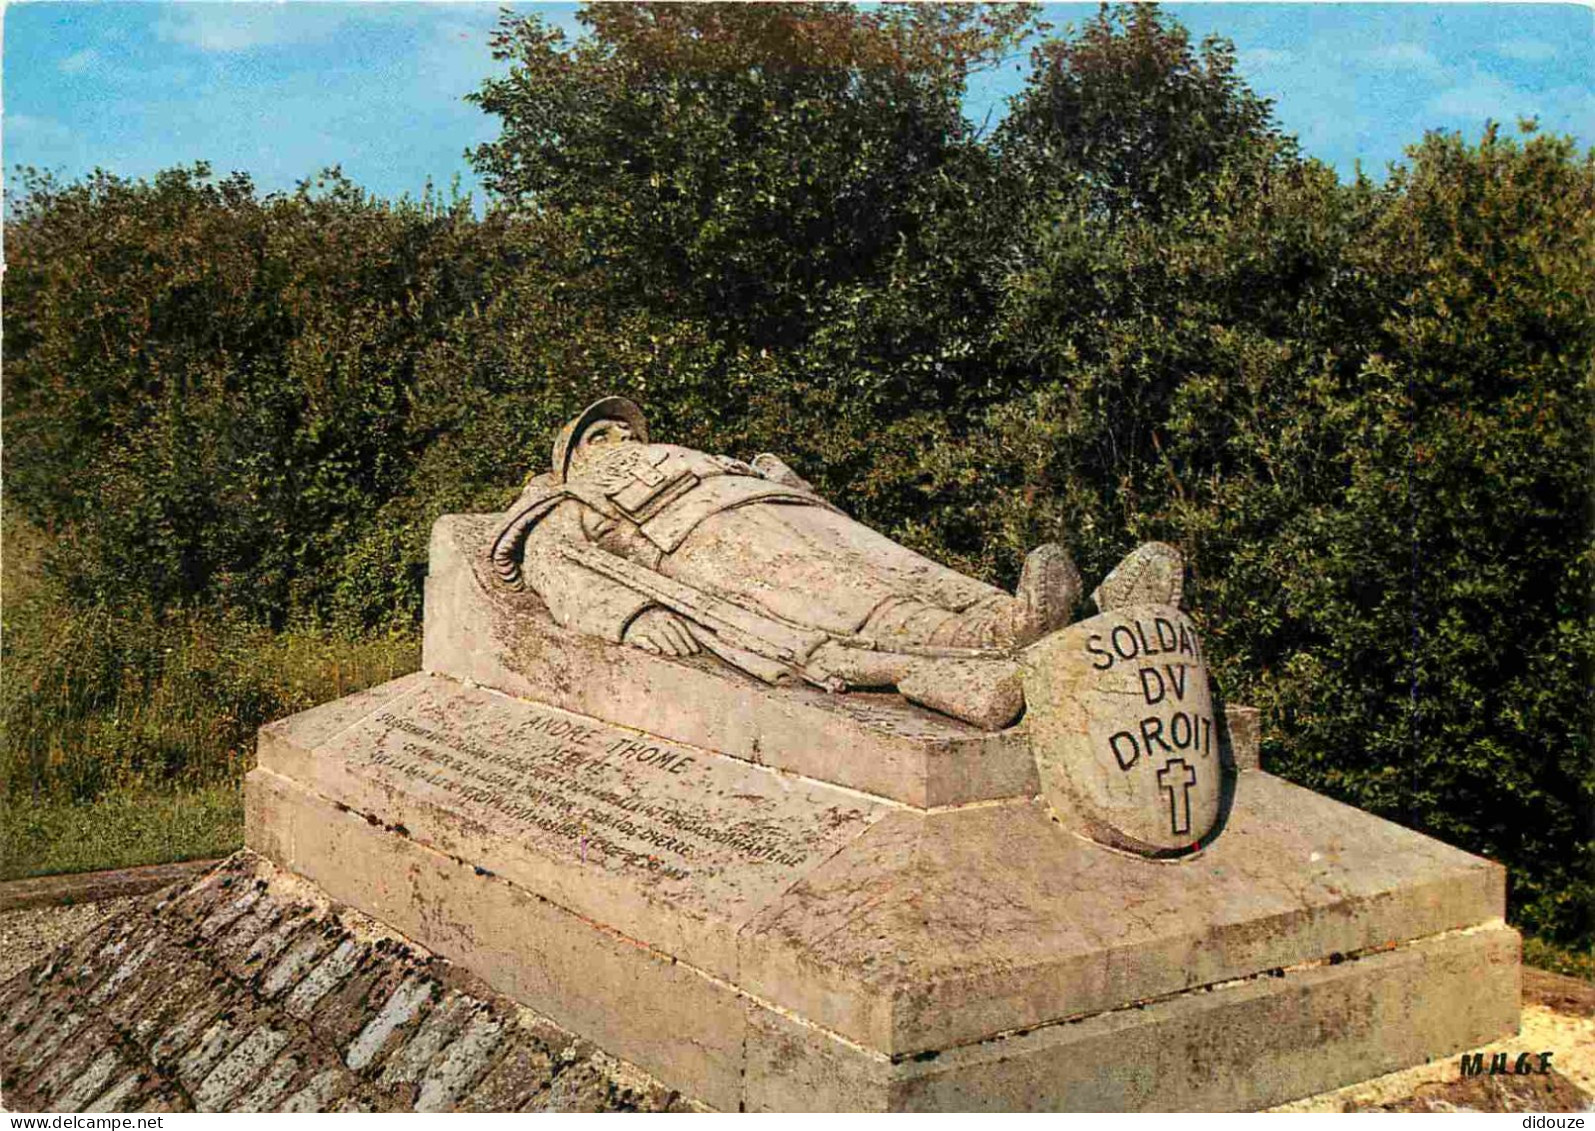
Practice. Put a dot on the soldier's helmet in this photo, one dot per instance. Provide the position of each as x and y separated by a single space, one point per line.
609 408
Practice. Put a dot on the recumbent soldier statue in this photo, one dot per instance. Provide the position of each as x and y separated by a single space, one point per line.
677 551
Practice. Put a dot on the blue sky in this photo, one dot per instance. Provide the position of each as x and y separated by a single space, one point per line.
280 90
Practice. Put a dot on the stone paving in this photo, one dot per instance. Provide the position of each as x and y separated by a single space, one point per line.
247 991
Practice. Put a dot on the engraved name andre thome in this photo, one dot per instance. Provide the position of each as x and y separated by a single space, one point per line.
554 780
1167 660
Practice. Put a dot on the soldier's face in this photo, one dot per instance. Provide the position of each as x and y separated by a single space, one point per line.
597 438
604 432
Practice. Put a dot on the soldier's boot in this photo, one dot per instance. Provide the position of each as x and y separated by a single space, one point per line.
1049 587
1048 590
1151 574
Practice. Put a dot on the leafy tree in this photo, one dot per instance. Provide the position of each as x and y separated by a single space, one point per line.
1130 114
209 390
1448 678
741 162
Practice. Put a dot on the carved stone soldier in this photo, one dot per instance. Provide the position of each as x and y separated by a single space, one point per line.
675 551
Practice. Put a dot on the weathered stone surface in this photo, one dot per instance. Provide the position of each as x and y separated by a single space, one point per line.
634 1001
520 1074
939 929
1243 733
245 1051
974 957
679 552
679 844
870 741
1244 1046
912 935
1121 720
1235 1046
1151 574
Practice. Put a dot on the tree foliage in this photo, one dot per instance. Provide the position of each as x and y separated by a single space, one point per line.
1135 311
741 162
1130 117
210 391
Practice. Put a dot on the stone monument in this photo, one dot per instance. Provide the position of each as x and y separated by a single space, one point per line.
675 551
788 817
794 818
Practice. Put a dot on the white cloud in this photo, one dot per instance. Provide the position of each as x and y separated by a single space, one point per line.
455 57
35 127
241 26
1527 50
1262 58
79 61
1482 96
1401 57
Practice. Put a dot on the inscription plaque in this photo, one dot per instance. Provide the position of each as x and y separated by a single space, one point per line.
696 828
1122 724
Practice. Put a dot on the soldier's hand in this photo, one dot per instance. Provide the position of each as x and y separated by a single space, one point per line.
661 632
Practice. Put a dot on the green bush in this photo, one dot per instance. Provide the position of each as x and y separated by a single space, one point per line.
208 392
104 706
1134 311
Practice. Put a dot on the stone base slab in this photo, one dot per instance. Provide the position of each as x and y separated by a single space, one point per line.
1241 1045
762 941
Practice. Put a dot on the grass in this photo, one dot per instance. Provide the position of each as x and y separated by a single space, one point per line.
124 736
1545 955
119 830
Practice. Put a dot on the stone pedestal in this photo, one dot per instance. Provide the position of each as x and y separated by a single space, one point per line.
778 899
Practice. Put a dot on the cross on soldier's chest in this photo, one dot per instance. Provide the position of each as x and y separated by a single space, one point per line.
641 481
631 465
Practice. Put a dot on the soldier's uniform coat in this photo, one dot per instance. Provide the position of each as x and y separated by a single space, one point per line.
717 524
